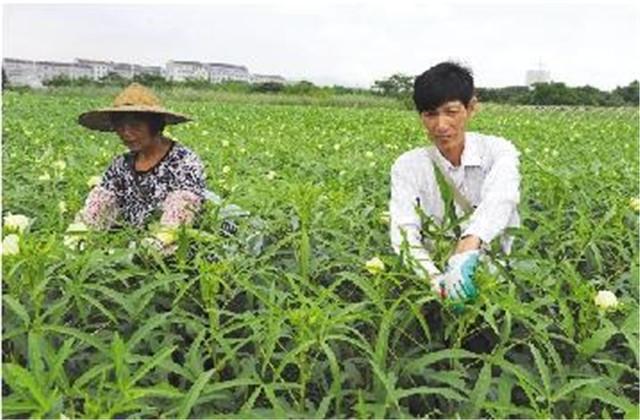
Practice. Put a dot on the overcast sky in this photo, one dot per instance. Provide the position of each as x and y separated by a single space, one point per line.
347 43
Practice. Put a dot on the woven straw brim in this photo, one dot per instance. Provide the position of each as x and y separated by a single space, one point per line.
100 119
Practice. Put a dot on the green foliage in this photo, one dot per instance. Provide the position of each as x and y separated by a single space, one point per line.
561 94
398 85
303 329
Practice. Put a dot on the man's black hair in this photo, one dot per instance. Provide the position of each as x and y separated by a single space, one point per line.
442 83
155 121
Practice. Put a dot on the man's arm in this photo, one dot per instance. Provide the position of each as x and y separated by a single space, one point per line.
405 222
500 196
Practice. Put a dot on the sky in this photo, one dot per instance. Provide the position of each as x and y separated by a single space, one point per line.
349 43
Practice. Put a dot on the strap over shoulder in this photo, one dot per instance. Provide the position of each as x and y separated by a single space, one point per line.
459 198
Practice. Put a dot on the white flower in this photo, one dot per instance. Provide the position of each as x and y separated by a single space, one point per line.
62 207
74 242
375 265
225 143
75 239
16 222
634 203
59 164
605 299
44 177
271 175
148 242
226 169
93 181
10 244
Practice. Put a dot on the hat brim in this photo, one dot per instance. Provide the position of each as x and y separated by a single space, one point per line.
100 119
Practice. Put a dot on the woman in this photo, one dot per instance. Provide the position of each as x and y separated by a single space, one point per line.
157 175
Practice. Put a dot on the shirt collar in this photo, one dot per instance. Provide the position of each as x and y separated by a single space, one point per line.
471 154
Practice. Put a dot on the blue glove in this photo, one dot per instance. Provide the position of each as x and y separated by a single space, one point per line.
457 281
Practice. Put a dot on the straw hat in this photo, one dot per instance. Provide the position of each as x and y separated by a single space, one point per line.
135 98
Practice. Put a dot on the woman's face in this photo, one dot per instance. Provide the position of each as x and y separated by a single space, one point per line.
133 130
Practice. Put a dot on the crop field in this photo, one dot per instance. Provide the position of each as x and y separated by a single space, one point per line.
285 318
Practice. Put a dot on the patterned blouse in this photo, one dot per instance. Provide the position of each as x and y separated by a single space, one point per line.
174 188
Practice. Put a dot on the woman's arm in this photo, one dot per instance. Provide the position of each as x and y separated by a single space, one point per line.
101 209
185 200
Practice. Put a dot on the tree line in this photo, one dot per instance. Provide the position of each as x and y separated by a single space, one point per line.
398 86
553 93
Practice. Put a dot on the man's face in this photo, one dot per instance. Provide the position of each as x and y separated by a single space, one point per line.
446 124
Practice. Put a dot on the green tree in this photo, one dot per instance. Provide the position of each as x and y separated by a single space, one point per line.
398 85
629 94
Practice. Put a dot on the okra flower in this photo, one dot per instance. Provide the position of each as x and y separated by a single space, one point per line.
606 299
11 245
93 181
16 222
375 266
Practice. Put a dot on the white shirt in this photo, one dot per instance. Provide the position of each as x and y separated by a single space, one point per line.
488 177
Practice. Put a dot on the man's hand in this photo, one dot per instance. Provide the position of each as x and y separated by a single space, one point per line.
468 243
457 281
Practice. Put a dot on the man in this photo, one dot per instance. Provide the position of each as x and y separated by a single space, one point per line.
482 172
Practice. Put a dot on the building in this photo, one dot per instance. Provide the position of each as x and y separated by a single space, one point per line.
537 76
179 71
220 72
33 73
268 78
99 68
48 70
150 70
21 72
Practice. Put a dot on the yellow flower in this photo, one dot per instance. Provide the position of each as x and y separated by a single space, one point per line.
605 299
384 217
226 169
77 227
93 181
271 175
369 154
166 235
16 222
59 164
375 265
336 147
10 245
225 143
62 207
634 203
